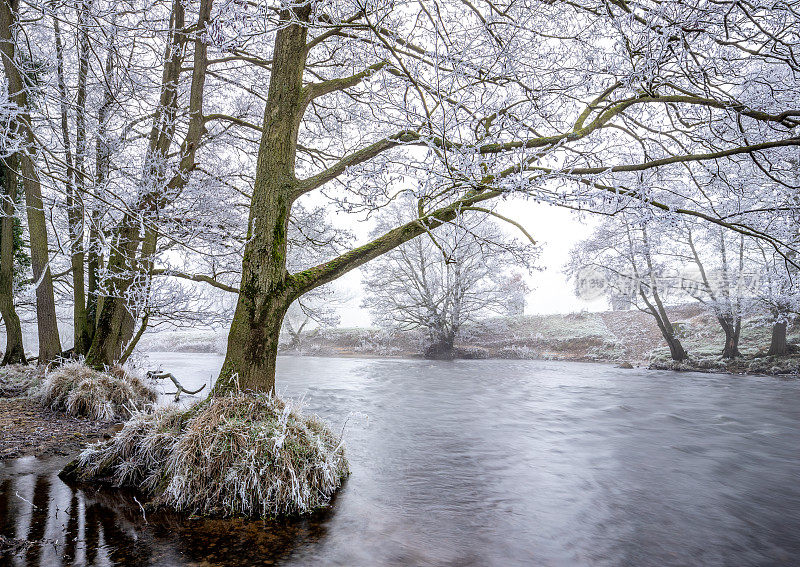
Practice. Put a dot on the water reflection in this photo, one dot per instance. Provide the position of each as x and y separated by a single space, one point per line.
480 463
81 525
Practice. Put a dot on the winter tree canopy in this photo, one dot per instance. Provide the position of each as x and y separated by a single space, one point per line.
144 133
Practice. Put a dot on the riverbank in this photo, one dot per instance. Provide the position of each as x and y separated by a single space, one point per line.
616 337
62 410
768 365
28 428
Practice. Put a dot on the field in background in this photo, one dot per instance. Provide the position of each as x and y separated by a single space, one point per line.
611 336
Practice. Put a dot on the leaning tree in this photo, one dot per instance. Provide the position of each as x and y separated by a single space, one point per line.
632 256
461 103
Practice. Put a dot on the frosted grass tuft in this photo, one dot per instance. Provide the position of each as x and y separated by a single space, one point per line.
240 454
79 390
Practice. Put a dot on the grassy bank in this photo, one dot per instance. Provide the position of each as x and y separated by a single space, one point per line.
611 336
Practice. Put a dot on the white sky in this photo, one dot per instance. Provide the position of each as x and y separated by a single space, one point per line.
556 229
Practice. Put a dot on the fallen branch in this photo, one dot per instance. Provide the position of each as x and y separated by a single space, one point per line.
158 375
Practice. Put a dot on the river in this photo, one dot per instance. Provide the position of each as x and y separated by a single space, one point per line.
483 462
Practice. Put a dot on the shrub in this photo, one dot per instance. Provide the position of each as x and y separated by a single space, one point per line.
243 454
78 390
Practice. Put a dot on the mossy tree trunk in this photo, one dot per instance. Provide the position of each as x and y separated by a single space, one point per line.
112 321
133 248
15 352
106 345
49 341
266 291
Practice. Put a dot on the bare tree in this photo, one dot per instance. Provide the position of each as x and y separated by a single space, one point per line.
440 282
17 72
722 279
514 289
317 310
629 256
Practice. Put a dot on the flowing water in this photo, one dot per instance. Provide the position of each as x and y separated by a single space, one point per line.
479 463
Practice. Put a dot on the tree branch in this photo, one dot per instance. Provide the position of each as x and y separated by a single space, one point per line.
195 278
311 278
503 218
238 121
795 141
316 90
355 158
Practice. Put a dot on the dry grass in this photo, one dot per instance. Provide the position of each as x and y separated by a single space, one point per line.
19 379
78 390
242 454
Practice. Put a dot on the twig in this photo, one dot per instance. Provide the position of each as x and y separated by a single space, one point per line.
28 501
142 508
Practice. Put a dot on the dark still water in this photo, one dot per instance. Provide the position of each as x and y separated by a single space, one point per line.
480 463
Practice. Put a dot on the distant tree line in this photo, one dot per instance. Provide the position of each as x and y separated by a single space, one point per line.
649 263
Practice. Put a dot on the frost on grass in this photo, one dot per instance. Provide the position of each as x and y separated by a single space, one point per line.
242 454
78 390
19 379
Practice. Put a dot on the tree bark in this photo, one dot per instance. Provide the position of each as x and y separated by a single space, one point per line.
778 345
676 350
49 341
114 322
15 351
266 291
732 331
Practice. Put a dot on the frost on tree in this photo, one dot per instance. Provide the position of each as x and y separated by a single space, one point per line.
441 281
193 131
